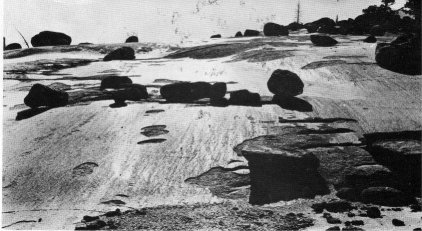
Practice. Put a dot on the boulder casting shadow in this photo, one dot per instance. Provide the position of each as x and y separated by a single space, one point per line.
28 113
292 103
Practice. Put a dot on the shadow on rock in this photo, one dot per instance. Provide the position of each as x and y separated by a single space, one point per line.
292 103
28 113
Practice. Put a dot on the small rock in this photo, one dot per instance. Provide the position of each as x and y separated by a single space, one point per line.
132 39
133 92
284 82
370 39
115 82
13 46
40 95
416 208
322 40
373 212
238 34
123 53
216 36
334 228
326 215
352 228
397 209
350 214
114 213
397 222
250 33
90 218
273 29
244 97
332 220
358 222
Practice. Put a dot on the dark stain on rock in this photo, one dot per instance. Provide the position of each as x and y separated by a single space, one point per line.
84 169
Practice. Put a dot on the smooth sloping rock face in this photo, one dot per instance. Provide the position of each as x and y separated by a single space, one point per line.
13 46
273 29
132 39
41 95
385 196
50 38
218 90
250 33
244 97
216 36
123 53
133 92
285 166
323 41
370 39
404 58
115 82
284 82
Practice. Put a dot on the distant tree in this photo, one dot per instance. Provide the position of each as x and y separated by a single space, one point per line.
413 7
298 12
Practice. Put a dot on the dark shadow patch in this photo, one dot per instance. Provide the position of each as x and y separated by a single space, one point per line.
152 141
345 57
113 202
167 81
154 111
118 105
319 64
28 113
316 120
154 130
292 103
234 161
19 222
84 169
262 55
122 195
223 182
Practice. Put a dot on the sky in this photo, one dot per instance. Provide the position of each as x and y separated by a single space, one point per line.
162 21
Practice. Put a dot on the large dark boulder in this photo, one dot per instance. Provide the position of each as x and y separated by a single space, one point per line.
285 83
41 95
200 90
216 36
273 29
244 97
185 91
132 39
132 92
123 53
115 82
50 38
238 34
13 46
370 39
403 57
386 196
218 90
328 29
323 22
251 33
323 41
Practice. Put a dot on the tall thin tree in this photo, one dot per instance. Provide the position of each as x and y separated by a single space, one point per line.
298 12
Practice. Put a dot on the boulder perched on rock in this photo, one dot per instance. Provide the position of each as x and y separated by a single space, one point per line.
13 46
132 39
323 41
238 34
273 29
404 57
244 97
123 53
385 196
41 95
216 36
218 90
115 82
50 38
133 92
251 33
185 91
370 39
285 83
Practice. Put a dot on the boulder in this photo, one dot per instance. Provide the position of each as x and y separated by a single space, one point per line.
244 97
200 90
219 102
123 53
133 92
370 39
334 228
403 57
40 95
397 222
365 176
373 212
90 218
177 92
132 39
50 38
273 29
385 196
286 83
238 34
115 82
322 40
218 90
251 33
294 26
216 36
339 206
13 46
